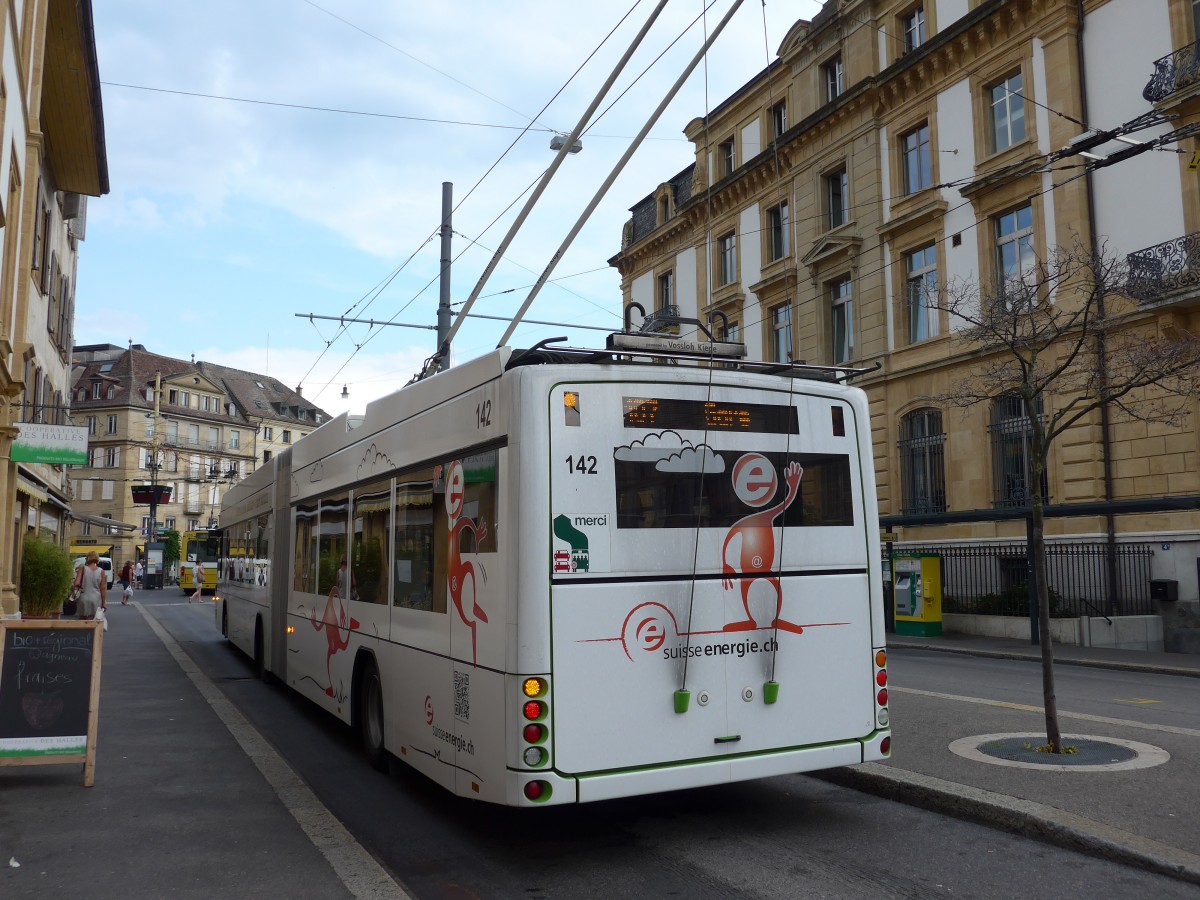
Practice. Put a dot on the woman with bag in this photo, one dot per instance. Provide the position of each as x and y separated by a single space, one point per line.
126 579
92 582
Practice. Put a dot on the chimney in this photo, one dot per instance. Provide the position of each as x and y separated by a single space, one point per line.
299 390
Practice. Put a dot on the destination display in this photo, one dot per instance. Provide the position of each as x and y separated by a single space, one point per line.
709 415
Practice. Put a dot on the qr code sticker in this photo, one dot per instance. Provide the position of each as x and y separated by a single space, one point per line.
462 696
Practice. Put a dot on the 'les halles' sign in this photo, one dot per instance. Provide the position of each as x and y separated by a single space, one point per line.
62 444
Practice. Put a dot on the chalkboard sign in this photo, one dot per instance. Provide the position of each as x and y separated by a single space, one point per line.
49 692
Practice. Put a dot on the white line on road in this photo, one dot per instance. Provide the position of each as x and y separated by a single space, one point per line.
1084 717
362 875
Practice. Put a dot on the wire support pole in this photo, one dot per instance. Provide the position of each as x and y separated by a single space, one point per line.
637 142
443 311
443 349
373 322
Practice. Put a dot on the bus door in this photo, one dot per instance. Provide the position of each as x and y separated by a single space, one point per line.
709 574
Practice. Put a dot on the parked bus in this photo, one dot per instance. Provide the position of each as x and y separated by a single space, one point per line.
199 546
560 576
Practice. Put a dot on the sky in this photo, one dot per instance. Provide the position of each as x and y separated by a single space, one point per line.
307 180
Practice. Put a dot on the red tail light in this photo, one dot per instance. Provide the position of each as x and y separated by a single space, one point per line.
534 733
881 677
533 710
882 697
885 746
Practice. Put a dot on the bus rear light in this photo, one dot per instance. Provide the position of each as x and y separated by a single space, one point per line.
885 746
534 710
535 734
534 756
291 629
537 791
881 658
882 697
881 677
534 687
883 718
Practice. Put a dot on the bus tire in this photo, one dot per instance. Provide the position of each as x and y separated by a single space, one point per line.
370 716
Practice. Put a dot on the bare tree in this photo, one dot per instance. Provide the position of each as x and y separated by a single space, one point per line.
1063 338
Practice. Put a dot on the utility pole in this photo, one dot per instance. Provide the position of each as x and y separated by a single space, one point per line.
443 313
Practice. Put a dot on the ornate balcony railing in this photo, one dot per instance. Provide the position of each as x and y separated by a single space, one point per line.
661 319
1174 72
1164 269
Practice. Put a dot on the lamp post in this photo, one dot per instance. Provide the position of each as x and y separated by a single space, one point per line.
153 494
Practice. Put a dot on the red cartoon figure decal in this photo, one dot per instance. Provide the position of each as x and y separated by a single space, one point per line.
334 622
458 570
755 483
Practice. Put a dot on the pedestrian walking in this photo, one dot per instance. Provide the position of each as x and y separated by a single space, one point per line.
137 573
92 582
198 581
126 580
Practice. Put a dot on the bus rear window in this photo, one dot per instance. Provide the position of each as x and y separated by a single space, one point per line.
653 496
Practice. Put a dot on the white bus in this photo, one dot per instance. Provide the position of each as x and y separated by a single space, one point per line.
562 576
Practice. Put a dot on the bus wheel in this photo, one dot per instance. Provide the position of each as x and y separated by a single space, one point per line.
370 716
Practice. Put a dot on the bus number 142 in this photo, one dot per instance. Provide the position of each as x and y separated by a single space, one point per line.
583 465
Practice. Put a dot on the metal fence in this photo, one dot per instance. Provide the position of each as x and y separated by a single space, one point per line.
1084 579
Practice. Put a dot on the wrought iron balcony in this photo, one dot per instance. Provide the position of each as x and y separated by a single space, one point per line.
1174 72
663 319
1164 269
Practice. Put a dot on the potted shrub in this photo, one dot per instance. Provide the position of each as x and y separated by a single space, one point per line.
46 574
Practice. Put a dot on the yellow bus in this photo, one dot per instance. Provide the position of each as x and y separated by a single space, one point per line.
199 546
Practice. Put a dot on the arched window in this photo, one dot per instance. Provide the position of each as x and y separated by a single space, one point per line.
112 391
922 462
1012 457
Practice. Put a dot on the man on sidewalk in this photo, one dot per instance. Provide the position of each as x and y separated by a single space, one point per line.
198 582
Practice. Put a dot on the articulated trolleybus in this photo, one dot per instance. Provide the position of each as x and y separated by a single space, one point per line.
559 576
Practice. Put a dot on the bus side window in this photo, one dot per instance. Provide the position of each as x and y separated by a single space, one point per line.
306 539
368 562
415 584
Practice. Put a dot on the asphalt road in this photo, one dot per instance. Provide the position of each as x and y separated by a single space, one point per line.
787 837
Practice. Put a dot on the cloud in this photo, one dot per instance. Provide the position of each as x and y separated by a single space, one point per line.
700 458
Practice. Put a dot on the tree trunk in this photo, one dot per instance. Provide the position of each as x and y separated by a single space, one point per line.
1037 551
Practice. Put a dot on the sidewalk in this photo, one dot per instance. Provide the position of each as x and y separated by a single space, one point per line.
186 804
178 808
1140 816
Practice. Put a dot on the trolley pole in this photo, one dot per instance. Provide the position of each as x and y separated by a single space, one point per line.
443 313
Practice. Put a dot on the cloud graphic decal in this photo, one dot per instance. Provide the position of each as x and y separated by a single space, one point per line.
699 458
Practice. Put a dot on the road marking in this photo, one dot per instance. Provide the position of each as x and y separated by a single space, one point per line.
1083 717
362 875
1137 700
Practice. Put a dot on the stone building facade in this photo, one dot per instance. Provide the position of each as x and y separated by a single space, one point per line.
894 149
52 159
192 425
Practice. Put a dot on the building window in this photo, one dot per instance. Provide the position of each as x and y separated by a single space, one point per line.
1015 255
112 424
193 435
87 527
112 457
91 422
193 524
726 259
96 390
834 78
913 26
915 159
842 306
663 210
214 438
266 456
1008 112
111 392
204 402
920 292
268 433
1012 462
185 399
732 333
779 123
287 436
781 338
666 291
922 462
777 231
726 160
837 198
169 523
235 439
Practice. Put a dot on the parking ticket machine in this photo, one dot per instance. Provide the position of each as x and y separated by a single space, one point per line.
917 589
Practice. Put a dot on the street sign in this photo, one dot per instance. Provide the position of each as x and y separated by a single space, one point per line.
1194 165
889 537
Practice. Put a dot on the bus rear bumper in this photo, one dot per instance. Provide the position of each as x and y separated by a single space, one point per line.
653 780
